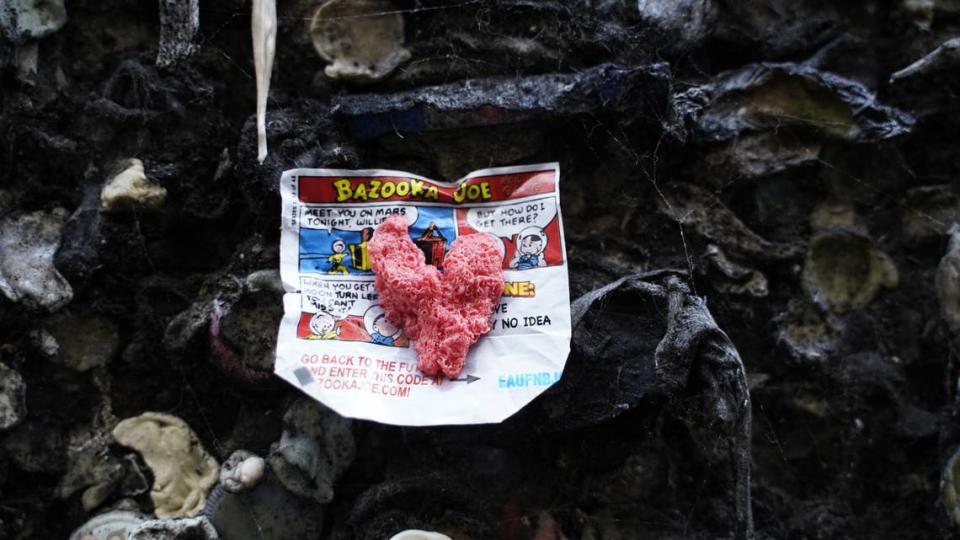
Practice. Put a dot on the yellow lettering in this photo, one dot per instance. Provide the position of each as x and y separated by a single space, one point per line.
388 189
416 187
378 189
523 289
343 190
472 192
460 193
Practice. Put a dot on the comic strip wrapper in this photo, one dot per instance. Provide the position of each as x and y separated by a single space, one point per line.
335 343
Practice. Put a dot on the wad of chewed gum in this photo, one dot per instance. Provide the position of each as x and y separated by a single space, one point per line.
416 302
444 313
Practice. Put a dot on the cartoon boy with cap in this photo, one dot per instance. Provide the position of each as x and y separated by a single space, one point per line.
323 326
339 248
380 330
530 245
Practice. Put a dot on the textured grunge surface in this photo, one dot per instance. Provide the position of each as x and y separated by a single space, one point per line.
758 200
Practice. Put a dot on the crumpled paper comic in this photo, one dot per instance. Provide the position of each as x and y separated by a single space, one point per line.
335 343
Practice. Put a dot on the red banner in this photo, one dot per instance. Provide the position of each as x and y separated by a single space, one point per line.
362 189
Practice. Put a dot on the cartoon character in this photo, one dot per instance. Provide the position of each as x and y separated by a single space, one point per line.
530 245
336 260
381 331
358 252
433 244
324 326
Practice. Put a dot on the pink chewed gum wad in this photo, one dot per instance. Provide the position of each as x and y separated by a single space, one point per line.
404 282
444 313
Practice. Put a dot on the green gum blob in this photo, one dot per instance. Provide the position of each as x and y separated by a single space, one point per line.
796 100
846 270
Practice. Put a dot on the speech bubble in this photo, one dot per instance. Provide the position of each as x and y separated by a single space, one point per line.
346 218
509 219
339 298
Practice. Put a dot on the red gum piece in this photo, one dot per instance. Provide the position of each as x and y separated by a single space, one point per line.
403 279
447 313
472 285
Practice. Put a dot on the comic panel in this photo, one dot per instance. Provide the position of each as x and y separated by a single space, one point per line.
334 240
345 311
529 231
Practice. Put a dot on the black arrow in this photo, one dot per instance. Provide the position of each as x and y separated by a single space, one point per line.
469 378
